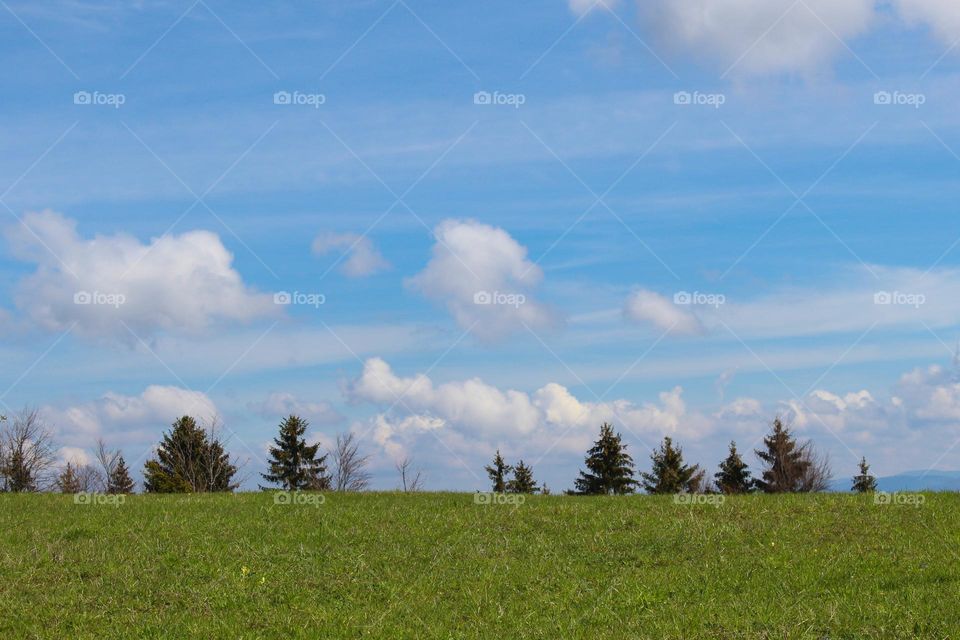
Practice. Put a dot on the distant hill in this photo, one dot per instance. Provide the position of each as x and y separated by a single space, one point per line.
935 480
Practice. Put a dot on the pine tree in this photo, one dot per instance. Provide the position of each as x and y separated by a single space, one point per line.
863 482
189 460
609 467
119 480
498 473
669 474
294 464
522 481
68 481
19 476
733 476
787 463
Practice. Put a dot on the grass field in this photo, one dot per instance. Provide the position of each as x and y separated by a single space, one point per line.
385 565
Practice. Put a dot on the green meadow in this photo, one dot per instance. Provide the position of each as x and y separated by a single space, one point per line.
439 565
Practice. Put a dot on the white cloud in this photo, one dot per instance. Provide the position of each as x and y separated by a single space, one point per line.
650 307
942 16
483 413
127 420
176 282
484 278
759 36
279 405
740 408
363 258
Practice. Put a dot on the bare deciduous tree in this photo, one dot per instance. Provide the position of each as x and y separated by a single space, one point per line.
818 472
350 468
411 481
107 460
27 456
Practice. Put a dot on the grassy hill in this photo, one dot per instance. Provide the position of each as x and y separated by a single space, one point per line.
432 565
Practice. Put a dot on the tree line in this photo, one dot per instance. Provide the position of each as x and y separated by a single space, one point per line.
789 466
193 459
189 458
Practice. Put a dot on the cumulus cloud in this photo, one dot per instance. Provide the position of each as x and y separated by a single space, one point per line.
482 413
942 16
484 278
127 420
652 308
279 405
759 36
362 257
176 282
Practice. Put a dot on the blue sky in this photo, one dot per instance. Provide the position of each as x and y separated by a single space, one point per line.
813 174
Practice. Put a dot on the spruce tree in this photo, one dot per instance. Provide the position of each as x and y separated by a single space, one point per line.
863 482
294 464
188 460
669 474
498 473
609 467
68 481
733 476
522 481
787 464
119 480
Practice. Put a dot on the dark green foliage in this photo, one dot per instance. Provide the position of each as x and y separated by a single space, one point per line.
522 481
189 460
669 474
19 477
863 482
294 464
119 480
733 476
787 464
498 473
609 467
